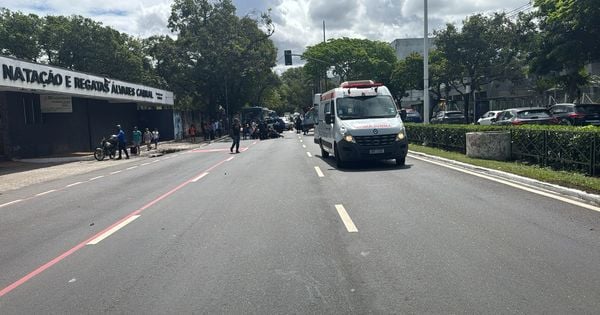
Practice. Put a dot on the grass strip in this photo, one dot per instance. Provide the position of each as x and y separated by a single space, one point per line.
563 178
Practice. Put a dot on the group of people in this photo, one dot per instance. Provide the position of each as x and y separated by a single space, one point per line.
260 130
149 137
252 130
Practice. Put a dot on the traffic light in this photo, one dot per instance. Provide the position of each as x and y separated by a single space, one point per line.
287 54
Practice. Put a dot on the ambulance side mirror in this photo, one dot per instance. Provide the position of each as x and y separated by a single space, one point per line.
328 119
403 114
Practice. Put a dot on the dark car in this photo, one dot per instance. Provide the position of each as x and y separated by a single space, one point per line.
277 123
413 116
526 115
576 114
310 119
448 117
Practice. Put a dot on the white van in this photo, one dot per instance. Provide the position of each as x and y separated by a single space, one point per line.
360 121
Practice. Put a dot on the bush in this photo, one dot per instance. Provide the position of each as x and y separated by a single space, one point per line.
560 147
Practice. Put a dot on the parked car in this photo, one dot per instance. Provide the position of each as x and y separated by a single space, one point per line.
309 120
525 115
448 117
289 123
576 114
486 119
413 116
277 123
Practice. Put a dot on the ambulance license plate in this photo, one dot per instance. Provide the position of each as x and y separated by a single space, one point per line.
376 151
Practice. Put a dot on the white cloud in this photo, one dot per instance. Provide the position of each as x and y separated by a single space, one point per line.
298 23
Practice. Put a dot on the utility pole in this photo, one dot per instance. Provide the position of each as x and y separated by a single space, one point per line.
323 89
425 66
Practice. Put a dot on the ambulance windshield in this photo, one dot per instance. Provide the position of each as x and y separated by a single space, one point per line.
378 106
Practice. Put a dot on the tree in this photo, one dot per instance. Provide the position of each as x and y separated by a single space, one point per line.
227 60
570 38
19 34
297 89
485 50
407 75
351 59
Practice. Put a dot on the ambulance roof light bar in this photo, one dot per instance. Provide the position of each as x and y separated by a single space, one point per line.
360 84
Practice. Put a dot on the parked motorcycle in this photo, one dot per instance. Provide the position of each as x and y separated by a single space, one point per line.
108 147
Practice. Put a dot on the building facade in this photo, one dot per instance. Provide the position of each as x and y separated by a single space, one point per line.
47 110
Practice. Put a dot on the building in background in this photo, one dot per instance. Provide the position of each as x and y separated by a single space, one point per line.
47 110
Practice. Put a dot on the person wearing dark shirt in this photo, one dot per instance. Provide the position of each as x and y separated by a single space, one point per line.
235 135
122 142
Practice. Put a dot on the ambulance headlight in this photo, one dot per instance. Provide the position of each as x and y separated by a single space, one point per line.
400 136
349 138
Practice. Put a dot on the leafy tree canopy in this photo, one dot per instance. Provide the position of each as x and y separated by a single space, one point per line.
351 59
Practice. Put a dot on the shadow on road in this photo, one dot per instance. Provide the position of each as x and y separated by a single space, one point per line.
377 165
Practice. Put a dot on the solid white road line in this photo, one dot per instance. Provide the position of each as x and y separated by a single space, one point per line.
46 192
113 230
199 177
74 184
97 177
115 172
346 218
10 203
319 172
308 153
515 185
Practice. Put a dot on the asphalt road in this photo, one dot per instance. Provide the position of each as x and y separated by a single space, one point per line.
278 229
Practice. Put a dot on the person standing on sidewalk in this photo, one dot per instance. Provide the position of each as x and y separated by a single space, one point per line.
148 138
192 133
137 140
235 135
155 136
122 142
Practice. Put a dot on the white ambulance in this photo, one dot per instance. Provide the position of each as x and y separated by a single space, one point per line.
360 121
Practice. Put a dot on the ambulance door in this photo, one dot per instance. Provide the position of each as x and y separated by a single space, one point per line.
328 129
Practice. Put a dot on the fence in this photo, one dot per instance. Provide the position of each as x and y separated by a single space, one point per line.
560 148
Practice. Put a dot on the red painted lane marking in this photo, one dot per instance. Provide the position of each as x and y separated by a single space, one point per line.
77 247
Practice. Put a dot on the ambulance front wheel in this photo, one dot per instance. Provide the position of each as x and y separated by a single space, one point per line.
401 161
338 159
324 153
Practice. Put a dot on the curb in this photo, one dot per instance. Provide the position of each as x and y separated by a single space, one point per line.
570 192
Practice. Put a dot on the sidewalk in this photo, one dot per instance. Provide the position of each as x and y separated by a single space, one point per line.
20 173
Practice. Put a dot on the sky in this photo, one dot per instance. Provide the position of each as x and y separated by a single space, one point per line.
298 23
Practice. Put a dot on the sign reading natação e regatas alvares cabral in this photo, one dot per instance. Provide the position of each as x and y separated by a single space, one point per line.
26 75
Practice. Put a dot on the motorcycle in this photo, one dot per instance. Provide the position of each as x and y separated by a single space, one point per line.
108 147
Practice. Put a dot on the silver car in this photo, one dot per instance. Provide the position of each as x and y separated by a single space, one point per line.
486 119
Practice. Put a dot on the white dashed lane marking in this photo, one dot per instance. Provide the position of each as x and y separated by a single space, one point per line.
74 184
308 153
113 230
133 167
346 219
97 177
199 177
115 172
319 172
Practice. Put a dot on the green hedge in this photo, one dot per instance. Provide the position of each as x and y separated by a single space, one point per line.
560 147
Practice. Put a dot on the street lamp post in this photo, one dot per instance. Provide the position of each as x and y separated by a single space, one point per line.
425 66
